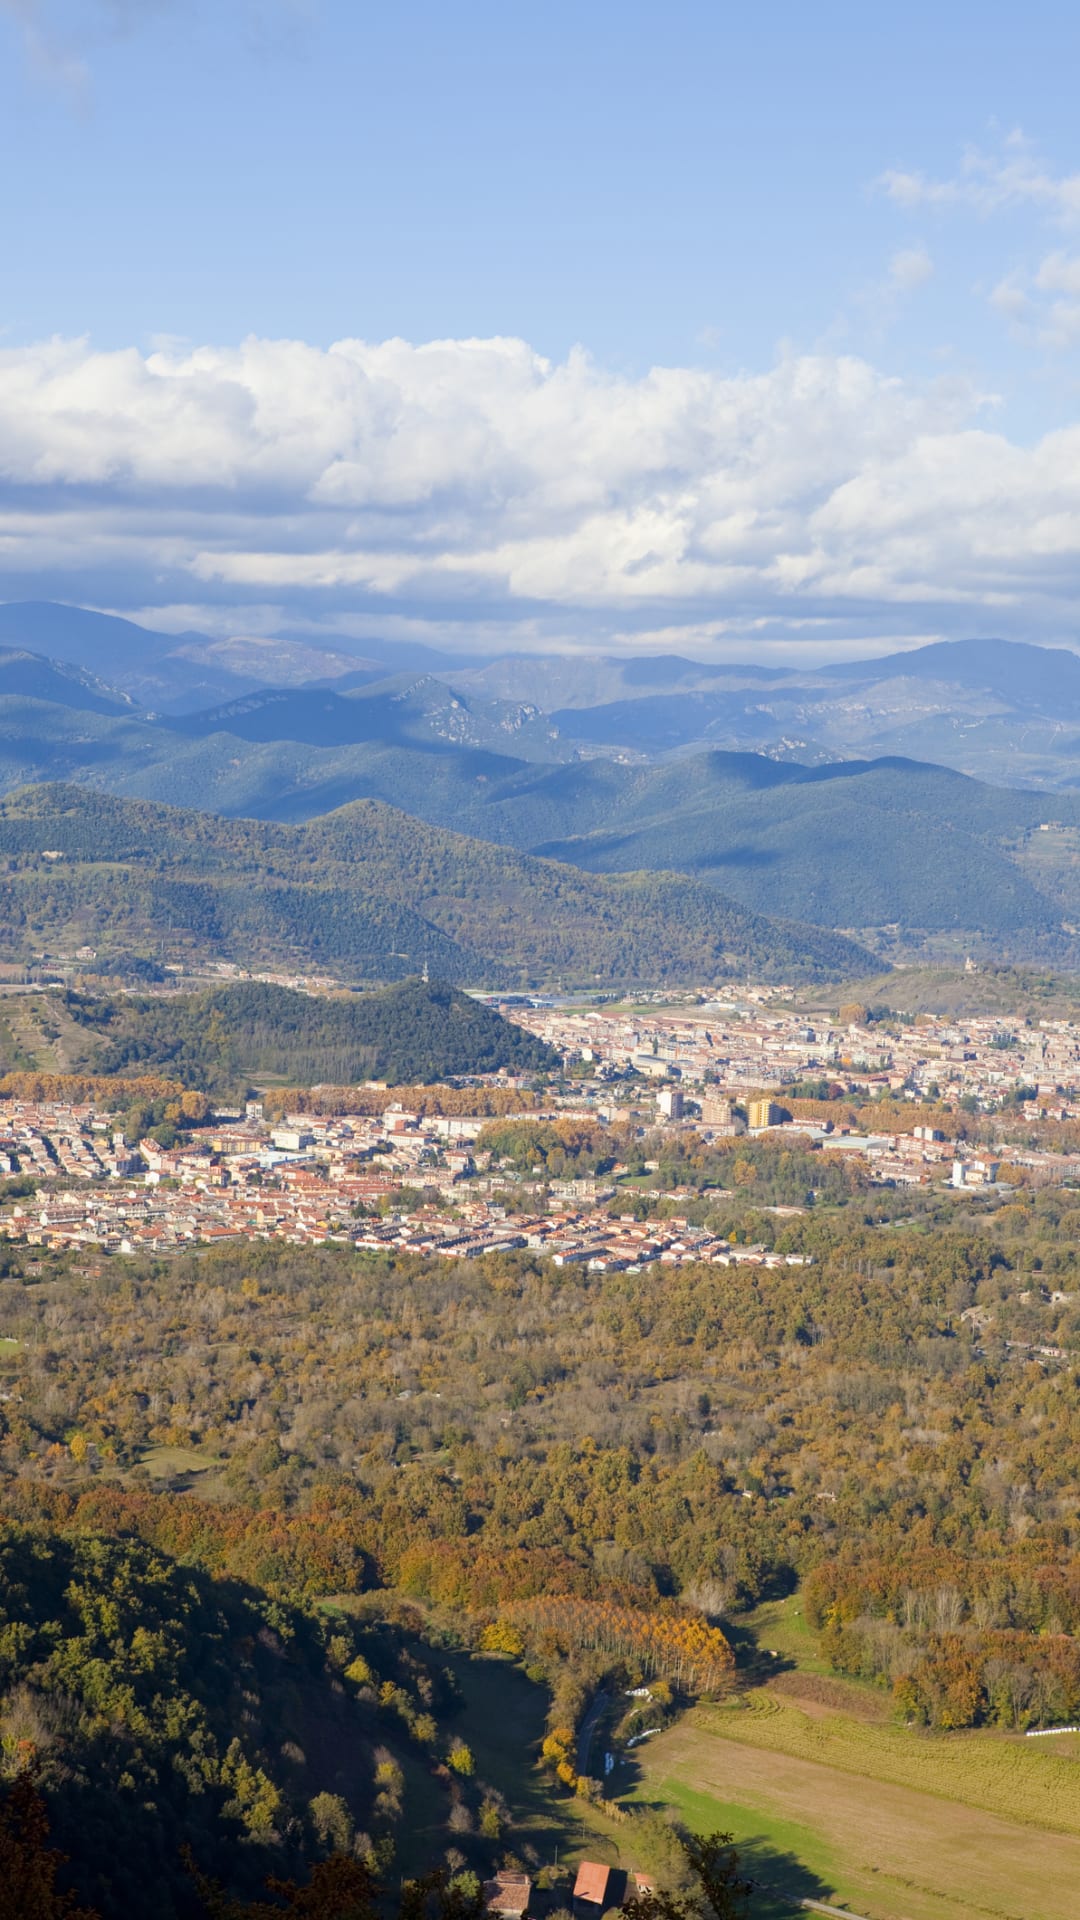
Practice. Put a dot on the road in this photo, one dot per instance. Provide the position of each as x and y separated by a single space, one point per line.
841 1913
588 1728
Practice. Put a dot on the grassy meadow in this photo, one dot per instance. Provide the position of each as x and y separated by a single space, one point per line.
833 1801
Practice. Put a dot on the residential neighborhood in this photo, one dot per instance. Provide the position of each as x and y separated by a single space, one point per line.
404 1180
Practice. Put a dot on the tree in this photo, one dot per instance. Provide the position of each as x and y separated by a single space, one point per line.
460 1757
28 1865
340 1888
437 1897
332 1821
720 1891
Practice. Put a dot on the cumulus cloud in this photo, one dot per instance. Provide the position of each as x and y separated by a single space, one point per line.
473 489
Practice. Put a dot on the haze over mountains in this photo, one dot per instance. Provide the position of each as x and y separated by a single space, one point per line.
181 672
794 796
994 708
997 709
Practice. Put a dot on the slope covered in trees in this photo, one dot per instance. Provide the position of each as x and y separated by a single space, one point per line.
493 1431
166 1711
406 1034
369 893
861 845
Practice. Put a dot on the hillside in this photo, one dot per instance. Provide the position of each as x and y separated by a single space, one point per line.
406 1034
999 710
482 1437
27 676
917 858
862 845
180 1691
404 710
367 893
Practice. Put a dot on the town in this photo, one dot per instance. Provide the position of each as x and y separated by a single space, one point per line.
964 1103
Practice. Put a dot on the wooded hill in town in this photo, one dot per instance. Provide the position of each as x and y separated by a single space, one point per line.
408 1034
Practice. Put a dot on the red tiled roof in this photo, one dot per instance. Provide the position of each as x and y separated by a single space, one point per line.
508 1894
592 1882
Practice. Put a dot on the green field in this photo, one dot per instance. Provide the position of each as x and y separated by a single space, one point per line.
502 1718
830 1800
166 1463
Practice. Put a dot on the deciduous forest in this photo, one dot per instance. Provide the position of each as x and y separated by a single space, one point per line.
582 1472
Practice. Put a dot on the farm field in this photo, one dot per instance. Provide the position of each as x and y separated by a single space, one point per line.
831 1800
887 1852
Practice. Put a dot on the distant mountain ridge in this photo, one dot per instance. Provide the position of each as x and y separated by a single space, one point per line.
889 846
404 709
184 672
1001 710
869 846
30 676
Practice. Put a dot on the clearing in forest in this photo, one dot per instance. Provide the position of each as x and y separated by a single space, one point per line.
805 1798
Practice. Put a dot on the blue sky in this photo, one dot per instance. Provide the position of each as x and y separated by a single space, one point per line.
882 199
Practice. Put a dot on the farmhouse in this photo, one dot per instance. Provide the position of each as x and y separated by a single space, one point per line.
591 1887
507 1895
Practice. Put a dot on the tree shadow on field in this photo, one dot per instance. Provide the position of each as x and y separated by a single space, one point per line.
754 1664
780 1880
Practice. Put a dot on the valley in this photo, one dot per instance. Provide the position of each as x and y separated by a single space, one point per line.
538 1249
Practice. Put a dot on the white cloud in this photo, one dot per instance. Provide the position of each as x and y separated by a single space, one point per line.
909 269
991 183
1043 307
1009 298
474 489
1059 273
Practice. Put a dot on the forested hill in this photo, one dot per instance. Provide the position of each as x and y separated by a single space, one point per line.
861 844
367 893
179 1698
410 1033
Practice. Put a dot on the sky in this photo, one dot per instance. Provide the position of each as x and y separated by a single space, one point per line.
742 332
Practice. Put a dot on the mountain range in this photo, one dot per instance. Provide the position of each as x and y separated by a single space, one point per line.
993 708
910 857
181 672
868 846
1003 711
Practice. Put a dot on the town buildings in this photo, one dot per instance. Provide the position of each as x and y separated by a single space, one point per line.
392 1180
